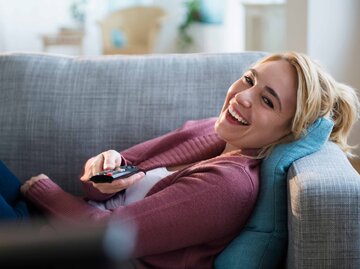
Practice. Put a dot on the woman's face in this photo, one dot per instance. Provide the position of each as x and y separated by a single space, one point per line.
259 107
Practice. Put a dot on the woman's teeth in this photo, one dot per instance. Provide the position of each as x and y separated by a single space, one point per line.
237 116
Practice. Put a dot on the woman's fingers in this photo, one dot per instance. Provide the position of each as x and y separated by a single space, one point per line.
88 168
112 159
106 160
96 165
26 186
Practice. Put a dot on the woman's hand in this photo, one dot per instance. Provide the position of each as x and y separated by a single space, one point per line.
27 185
107 160
119 184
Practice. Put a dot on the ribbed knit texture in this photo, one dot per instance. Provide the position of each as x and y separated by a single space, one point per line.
186 218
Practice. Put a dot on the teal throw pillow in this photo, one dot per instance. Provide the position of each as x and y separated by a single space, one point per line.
263 241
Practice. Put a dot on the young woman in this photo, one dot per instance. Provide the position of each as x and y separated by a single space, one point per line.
202 180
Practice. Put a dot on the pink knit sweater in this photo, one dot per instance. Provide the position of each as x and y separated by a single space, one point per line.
188 217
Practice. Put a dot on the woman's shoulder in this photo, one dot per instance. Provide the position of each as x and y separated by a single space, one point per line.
234 172
241 176
235 161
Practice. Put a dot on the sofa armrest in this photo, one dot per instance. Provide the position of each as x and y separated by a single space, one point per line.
324 211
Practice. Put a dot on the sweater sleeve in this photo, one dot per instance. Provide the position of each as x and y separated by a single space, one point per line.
189 209
93 193
58 204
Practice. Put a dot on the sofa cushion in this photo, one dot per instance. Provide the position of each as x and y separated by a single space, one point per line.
263 242
58 111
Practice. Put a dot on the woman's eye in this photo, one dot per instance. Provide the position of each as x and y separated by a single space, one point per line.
268 102
249 80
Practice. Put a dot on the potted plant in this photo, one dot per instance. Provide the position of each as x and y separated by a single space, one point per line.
192 15
78 12
199 11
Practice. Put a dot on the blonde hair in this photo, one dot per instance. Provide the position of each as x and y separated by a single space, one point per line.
318 95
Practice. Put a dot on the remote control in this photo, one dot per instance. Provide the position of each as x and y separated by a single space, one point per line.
108 176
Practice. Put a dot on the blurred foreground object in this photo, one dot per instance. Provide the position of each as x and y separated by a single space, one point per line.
38 245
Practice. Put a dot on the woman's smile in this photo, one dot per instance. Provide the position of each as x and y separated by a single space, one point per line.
234 117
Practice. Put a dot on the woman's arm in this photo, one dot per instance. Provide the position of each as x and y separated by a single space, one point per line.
190 209
60 205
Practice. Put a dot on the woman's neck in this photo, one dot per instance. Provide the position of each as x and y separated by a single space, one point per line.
246 152
229 148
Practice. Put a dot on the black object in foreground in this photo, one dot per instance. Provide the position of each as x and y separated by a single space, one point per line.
108 176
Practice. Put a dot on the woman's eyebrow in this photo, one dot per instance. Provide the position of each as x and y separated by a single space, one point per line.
267 88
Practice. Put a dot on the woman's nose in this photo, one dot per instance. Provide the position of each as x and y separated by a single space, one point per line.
244 98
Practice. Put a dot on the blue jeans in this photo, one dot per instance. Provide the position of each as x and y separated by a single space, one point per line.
12 203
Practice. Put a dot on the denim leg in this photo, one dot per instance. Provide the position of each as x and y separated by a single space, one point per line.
12 204
18 211
6 211
9 185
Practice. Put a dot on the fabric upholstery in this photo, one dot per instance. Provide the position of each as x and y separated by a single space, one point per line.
56 112
323 211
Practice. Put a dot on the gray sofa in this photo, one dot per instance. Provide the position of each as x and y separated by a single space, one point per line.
57 111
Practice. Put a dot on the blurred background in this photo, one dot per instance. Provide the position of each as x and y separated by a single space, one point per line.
327 30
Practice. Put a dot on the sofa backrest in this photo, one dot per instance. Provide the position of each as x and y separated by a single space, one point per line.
58 111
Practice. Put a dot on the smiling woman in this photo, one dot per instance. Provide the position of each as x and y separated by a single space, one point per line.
263 99
204 176
290 92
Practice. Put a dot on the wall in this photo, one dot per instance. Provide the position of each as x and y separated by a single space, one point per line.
297 25
23 22
335 38
168 34
2 43
338 47
227 36
327 30
265 27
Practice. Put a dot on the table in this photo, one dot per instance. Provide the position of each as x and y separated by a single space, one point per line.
63 38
